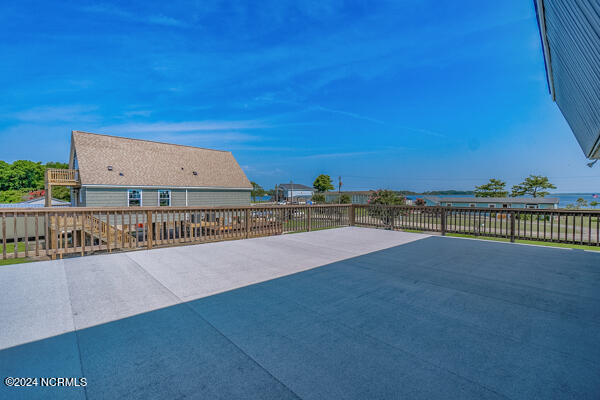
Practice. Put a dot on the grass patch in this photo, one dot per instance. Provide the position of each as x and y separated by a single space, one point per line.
535 242
11 261
412 230
10 247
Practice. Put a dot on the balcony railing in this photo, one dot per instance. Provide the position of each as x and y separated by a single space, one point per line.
51 232
62 177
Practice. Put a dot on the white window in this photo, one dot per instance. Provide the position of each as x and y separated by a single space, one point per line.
134 197
164 198
531 206
505 205
472 205
491 205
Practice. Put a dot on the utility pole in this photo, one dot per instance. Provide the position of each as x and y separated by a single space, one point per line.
292 189
339 190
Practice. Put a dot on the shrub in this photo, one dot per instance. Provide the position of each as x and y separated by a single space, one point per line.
381 198
318 198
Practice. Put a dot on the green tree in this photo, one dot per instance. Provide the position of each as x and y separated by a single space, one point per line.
533 185
57 165
381 198
594 203
323 183
61 193
386 197
22 175
581 203
318 198
345 198
257 191
12 196
494 188
4 171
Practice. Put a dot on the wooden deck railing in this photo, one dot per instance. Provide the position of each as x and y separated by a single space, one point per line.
551 225
68 177
52 232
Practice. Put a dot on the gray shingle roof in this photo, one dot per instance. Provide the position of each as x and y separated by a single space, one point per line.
137 162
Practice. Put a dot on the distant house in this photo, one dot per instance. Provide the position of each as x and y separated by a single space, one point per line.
294 192
110 171
36 203
356 197
493 202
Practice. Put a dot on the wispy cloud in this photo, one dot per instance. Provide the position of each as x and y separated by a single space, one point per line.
138 113
111 10
164 20
208 138
423 131
337 155
54 114
186 126
349 114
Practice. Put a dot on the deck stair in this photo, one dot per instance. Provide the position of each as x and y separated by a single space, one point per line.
96 228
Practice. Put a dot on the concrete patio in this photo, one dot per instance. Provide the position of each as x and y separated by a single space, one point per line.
343 313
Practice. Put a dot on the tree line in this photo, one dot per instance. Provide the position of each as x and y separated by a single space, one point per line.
23 179
533 185
323 184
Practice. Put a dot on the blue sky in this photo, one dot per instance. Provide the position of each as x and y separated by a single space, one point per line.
414 95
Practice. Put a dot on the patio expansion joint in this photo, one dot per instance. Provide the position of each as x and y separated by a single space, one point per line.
75 330
185 303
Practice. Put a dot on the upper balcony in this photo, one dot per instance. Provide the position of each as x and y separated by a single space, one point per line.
63 177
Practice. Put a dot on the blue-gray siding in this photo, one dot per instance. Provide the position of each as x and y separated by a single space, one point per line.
218 198
117 197
354 198
105 197
149 197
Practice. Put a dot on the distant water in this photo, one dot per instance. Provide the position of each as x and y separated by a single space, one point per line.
564 198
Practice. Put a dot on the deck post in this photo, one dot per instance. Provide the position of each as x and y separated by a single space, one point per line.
47 191
247 223
309 213
351 215
443 216
149 226
512 227
53 242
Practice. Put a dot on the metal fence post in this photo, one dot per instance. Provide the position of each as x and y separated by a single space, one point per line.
443 215
150 233
512 227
